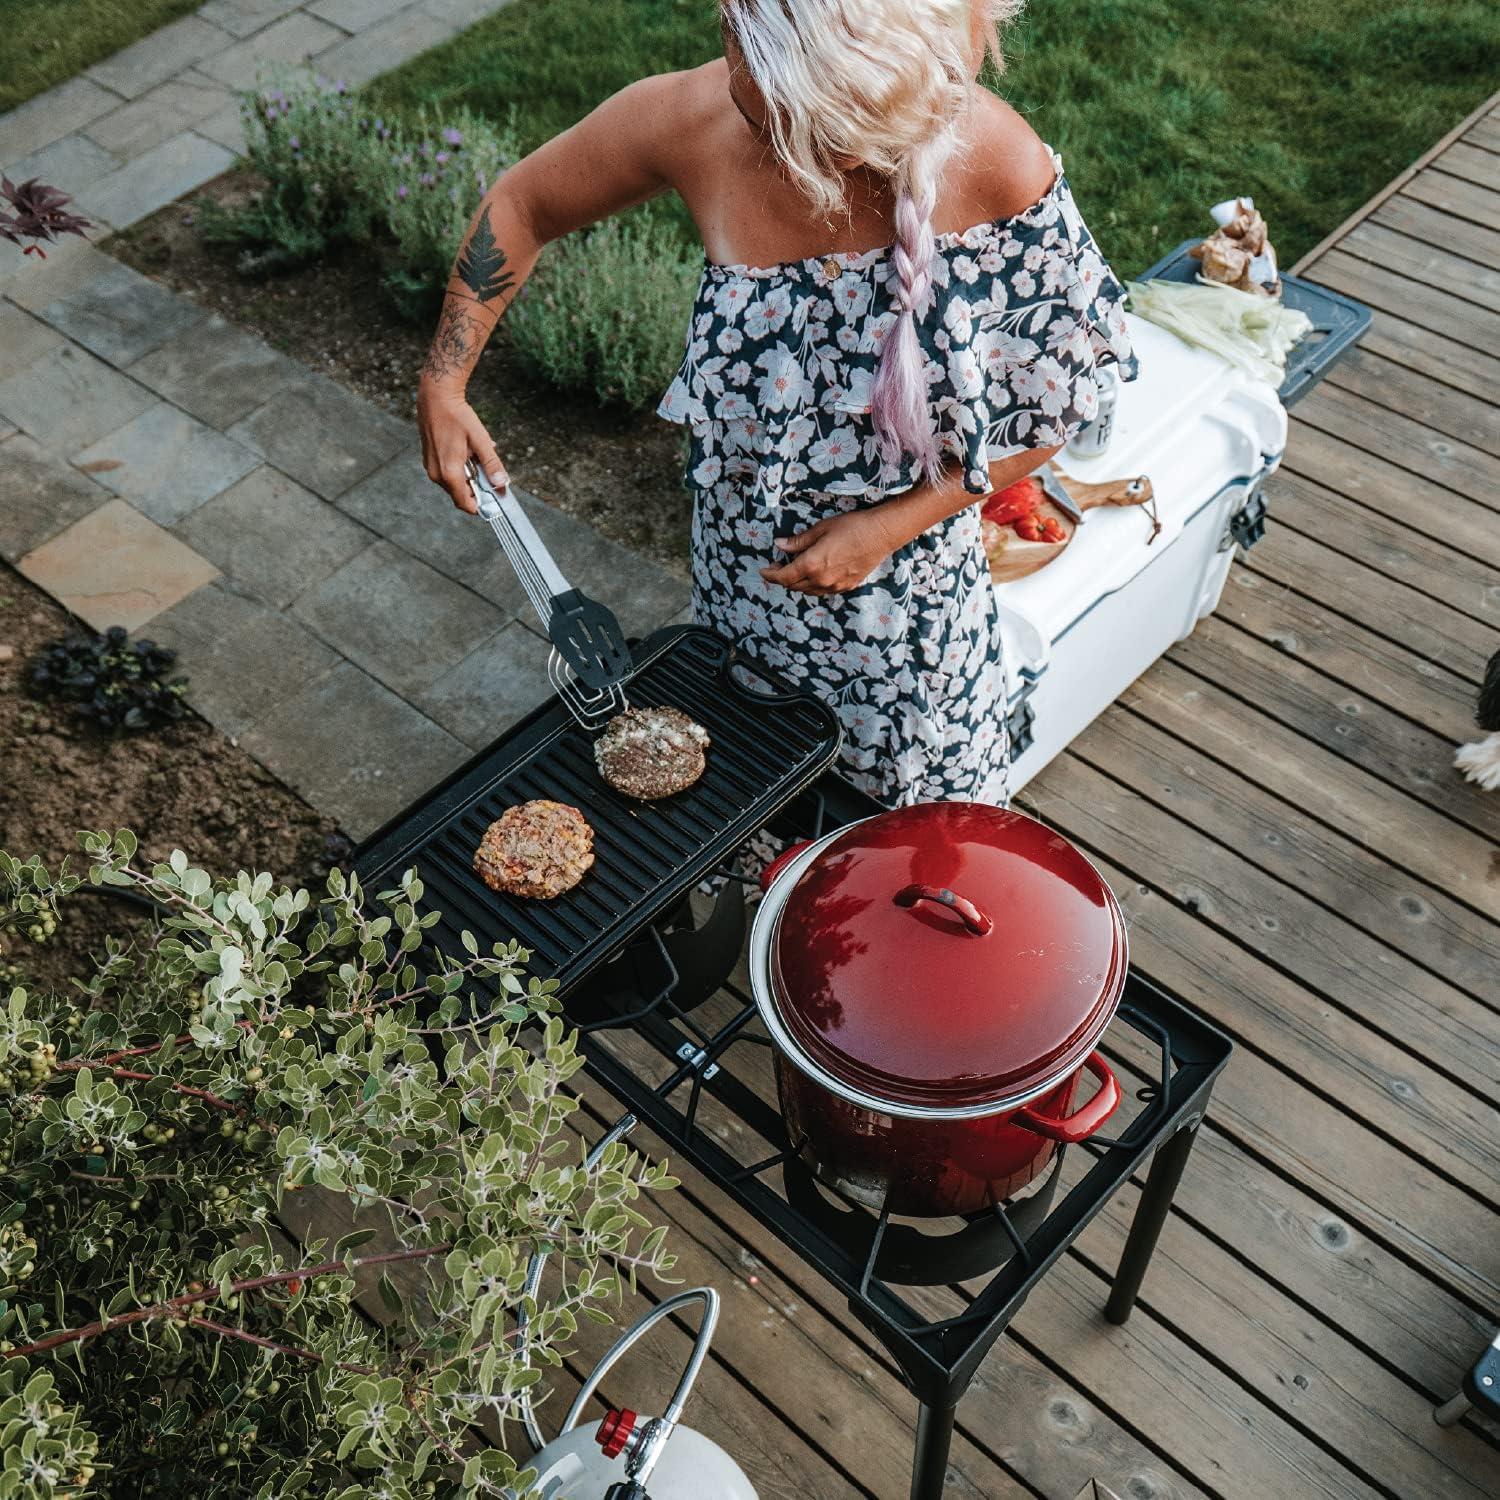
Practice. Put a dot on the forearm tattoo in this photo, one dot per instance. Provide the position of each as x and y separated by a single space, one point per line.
456 344
481 264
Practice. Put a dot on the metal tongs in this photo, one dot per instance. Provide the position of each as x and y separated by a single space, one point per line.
590 661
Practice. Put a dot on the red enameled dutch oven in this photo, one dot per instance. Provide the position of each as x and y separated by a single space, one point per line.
935 980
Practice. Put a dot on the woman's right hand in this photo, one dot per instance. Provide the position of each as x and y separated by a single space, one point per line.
451 435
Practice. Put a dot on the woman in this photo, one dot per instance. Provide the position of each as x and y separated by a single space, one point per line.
847 404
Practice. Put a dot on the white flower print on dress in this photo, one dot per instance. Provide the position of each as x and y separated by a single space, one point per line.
839 448
852 296
965 377
780 388
958 319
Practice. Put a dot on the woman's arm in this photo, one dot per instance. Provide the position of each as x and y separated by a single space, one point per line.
839 553
619 155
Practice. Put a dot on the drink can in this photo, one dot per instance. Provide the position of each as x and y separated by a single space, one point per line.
1095 438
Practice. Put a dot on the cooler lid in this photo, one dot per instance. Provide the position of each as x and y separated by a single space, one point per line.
1190 422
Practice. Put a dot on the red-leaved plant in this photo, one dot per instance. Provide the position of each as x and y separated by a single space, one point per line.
36 214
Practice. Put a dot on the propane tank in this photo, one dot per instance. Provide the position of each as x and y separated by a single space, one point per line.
629 1456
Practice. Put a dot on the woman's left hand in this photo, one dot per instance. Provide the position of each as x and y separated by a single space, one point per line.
836 554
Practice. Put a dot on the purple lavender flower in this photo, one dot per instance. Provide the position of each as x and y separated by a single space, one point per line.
454 138
294 143
441 157
401 191
425 180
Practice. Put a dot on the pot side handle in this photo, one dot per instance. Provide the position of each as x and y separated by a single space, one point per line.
1085 1120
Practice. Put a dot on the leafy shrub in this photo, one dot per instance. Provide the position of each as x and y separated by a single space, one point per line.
607 310
337 173
111 680
158 1334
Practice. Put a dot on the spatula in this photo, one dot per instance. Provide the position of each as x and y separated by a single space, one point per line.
591 660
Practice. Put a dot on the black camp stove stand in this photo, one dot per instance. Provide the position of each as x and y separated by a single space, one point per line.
866 1256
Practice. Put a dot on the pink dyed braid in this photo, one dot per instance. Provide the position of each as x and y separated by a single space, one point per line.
903 418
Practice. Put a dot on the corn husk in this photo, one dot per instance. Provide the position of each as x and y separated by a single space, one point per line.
1254 333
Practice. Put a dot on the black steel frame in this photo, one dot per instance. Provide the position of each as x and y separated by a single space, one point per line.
938 1359
652 986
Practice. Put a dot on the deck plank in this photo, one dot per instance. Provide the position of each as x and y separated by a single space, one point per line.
1438 406
1485 133
1354 724
1407 835
1377 605
1414 554
1472 163
1306 855
1405 443
1308 1371
1393 253
1466 531
1459 194
1432 226
1460 322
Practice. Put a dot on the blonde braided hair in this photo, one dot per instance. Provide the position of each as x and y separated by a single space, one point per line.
884 83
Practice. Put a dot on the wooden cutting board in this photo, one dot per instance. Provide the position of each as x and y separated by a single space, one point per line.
1012 557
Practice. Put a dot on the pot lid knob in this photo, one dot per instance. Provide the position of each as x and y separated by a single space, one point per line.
614 1431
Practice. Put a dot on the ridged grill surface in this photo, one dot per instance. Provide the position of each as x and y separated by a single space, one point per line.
647 854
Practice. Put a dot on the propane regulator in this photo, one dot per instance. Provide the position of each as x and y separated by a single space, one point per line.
630 1456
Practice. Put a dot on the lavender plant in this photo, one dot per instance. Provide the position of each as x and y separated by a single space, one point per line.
606 310
159 1335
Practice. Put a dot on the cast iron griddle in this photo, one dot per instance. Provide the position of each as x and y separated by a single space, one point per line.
766 746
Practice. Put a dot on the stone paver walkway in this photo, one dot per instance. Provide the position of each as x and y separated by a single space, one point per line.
162 470
160 118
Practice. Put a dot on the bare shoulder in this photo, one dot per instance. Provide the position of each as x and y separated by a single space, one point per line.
672 111
1009 166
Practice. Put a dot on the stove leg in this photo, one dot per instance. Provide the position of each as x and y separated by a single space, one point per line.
1150 1215
1451 1411
929 1465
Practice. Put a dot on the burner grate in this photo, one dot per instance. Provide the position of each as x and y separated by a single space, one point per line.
766 746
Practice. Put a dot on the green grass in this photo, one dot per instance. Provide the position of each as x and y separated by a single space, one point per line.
1160 107
43 42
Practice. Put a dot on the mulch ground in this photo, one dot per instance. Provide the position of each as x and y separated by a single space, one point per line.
620 471
185 786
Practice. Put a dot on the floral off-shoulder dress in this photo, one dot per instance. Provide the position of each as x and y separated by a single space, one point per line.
775 389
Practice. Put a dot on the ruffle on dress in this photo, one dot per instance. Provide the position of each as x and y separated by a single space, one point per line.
775 384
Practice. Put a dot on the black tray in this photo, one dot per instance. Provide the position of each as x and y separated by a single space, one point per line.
1338 322
768 742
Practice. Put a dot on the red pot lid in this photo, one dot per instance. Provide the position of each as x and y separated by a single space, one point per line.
950 953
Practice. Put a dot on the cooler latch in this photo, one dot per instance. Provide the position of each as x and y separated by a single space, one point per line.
1021 723
1248 524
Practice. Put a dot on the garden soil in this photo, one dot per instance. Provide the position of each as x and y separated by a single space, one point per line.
619 471
184 786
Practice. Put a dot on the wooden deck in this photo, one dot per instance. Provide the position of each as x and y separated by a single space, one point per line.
1275 805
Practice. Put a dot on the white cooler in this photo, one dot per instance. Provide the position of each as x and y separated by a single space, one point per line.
1082 629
